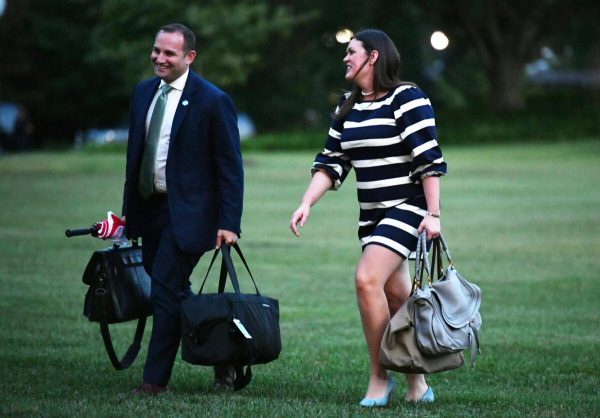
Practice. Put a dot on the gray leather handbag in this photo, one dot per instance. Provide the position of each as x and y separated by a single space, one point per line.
444 312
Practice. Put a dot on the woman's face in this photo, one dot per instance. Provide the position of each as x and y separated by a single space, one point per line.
355 58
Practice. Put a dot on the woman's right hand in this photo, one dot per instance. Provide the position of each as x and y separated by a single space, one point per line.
320 183
299 217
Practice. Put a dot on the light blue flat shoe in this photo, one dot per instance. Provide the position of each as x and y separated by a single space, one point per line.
428 395
383 401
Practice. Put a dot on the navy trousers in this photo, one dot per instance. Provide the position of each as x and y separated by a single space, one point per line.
170 270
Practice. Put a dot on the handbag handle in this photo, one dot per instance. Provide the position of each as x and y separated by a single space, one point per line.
421 263
446 250
436 259
227 267
422 260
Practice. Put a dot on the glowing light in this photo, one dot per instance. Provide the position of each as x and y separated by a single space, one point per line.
344 36
439 40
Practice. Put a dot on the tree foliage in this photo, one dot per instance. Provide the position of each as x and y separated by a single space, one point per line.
48 71
73 63
304 75
228 33
77 60
507 34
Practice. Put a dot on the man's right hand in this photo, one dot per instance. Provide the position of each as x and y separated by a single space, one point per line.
110 228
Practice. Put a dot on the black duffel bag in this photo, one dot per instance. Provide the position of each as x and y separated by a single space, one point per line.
119 291
236 328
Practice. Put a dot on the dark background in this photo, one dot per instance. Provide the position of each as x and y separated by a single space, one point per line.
513 70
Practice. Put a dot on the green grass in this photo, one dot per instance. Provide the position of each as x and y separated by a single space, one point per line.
522 222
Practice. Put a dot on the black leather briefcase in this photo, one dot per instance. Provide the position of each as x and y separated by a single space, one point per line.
119 291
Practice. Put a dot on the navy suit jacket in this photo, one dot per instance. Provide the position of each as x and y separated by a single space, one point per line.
204 173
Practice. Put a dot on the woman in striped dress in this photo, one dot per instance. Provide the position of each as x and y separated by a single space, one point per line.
385 129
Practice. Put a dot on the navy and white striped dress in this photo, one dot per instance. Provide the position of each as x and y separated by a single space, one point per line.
391 142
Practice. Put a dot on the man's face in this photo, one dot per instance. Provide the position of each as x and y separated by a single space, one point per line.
168 56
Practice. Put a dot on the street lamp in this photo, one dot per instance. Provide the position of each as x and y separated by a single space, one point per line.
439 40
344 36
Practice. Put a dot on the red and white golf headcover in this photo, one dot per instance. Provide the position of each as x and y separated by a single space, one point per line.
110 228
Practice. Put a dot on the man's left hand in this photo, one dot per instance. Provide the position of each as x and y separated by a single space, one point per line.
228 236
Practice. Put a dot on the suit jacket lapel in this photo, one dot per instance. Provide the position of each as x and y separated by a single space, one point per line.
149 95
146 101
191 87
143 101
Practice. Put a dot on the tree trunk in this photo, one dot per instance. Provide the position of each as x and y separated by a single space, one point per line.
505 75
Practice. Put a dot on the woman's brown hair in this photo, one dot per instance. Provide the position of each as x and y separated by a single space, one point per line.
387 67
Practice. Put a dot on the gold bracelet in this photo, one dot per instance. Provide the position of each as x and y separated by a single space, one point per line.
435 215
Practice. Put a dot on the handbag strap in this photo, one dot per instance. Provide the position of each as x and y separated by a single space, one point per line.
227 267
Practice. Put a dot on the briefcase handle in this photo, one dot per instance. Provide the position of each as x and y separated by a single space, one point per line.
227 267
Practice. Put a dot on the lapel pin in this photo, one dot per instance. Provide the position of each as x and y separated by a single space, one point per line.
185 103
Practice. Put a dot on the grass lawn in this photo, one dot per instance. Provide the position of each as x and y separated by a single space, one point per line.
522 221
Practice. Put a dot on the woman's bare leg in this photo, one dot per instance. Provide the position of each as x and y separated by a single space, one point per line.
373 271
382 285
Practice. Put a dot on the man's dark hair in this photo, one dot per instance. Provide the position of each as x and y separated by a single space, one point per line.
189 39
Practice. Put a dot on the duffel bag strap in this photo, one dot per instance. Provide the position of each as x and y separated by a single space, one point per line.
227 267
229 263
239 251
212 261
223 274
242 378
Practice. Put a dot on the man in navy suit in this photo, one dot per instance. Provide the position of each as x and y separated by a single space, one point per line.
192 200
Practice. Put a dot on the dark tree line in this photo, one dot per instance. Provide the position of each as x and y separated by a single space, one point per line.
507 34
72 63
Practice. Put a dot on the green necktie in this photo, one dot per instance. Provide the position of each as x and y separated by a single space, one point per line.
146 181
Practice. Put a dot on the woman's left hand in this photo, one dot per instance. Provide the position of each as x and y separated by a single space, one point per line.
431 225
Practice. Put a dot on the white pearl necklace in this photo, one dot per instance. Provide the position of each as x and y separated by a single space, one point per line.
367 93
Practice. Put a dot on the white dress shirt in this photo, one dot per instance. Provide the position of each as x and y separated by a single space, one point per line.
162 150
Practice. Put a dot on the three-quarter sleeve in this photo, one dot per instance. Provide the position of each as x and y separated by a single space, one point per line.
416 122
332 160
